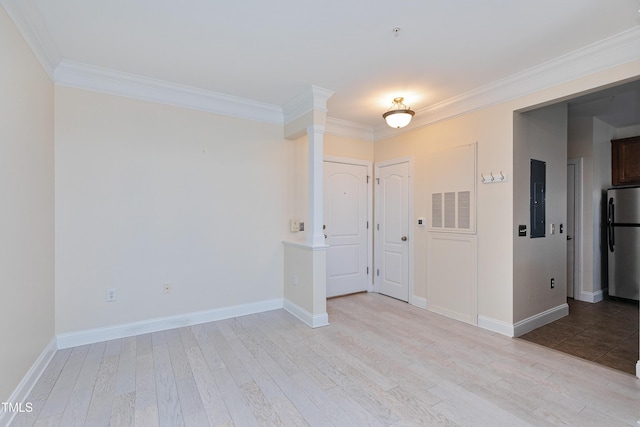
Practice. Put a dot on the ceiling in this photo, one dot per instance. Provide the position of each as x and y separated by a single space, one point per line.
618 106
272 51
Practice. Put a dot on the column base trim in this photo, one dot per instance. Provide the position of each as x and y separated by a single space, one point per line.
312 320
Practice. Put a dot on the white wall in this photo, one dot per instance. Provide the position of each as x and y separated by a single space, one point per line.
300 187
148 194
540 134
590 138
26 191
493 129
580 144
603 133
350 148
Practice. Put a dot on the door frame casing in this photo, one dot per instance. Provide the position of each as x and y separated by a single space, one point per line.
577 232
411 234
369 165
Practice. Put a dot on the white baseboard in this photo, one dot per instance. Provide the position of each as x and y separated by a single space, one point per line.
540 319
526 325
21 393
315 321
638 372
455 315
90 336
418 302
498 326
591 297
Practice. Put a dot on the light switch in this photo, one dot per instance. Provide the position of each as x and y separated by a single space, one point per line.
522 230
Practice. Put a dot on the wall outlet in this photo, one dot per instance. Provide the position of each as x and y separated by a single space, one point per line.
294 225
166 288
553 283
111 295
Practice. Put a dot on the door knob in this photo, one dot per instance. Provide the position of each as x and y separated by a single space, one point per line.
404 238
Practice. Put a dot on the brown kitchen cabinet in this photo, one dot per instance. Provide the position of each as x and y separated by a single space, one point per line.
625 161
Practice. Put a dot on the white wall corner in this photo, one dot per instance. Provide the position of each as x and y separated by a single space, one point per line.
27 18
540 319
418 302
90 336
21 393
591 297
314 321
498 326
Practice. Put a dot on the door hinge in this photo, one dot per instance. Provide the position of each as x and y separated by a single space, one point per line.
378 181
368 178
367 225
367 270
378 227
378 272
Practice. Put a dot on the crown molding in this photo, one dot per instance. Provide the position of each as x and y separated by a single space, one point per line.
313 99
349 129
616 50
98 79
26 17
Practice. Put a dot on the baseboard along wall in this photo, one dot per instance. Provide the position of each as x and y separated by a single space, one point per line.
21 393
90 336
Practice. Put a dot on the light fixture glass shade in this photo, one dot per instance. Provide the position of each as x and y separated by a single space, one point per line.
399 115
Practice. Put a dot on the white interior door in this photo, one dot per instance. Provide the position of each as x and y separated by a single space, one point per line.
571 209
346 215
392 230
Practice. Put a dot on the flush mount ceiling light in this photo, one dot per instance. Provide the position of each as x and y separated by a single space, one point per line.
398 115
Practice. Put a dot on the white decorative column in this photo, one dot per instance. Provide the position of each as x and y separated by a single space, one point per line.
315 235
305 262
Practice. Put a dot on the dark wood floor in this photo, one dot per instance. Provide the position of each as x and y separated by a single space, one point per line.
605 333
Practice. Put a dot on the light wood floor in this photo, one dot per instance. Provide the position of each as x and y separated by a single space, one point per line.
379 362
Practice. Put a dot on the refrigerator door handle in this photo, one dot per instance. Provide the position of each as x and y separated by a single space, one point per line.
610 217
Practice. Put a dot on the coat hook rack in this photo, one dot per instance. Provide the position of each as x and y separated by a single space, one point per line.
492 177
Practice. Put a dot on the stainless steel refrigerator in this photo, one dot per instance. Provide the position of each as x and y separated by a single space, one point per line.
623 234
